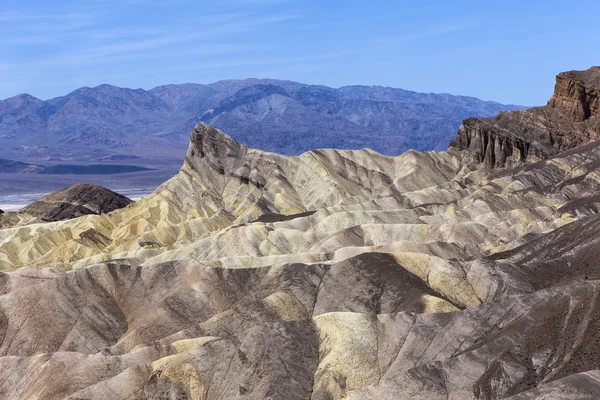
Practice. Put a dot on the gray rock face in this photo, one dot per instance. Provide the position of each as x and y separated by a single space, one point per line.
218 150
572 117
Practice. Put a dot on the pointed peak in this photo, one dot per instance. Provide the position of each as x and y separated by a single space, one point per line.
23 98
217 148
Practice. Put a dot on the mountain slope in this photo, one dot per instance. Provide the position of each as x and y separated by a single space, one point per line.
335 274
71 202
282 116
17 166
238 301
75 201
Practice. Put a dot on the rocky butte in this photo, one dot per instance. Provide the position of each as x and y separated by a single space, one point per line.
470 273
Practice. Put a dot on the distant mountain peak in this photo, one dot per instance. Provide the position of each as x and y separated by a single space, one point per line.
23 99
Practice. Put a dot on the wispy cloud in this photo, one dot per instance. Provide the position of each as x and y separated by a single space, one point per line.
426 32
98 40
110 45
19 16
314 60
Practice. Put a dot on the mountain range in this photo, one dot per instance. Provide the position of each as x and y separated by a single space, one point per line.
93 124
470 273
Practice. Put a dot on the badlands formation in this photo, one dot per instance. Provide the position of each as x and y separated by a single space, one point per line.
466 274
72 202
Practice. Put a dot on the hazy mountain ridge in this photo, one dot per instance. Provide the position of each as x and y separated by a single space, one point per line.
19 167
281 116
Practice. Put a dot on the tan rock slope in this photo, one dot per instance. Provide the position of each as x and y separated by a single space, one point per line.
334 274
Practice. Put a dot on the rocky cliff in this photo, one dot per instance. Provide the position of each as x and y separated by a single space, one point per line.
577 94
572 117
330 275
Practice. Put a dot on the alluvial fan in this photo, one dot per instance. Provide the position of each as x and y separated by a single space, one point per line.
471 273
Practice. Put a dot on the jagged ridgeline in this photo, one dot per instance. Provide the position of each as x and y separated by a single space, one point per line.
330 275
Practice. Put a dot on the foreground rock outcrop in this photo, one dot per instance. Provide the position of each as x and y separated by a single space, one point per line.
571 118
334 274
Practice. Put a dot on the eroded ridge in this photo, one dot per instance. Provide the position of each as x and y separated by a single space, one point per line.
334 274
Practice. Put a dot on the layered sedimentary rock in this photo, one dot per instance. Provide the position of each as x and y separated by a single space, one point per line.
577 94
68 203
334 274
572 117
76 200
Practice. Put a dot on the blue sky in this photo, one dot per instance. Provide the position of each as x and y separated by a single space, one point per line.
506 51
